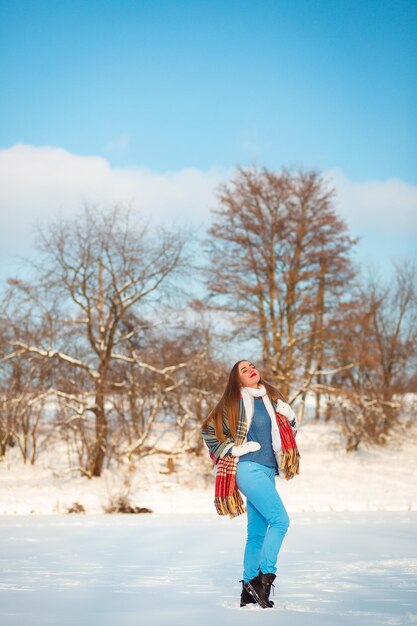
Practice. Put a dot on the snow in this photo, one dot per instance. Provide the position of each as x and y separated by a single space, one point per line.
370 479
353 569
349 558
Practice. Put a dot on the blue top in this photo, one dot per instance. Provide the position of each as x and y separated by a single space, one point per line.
260 431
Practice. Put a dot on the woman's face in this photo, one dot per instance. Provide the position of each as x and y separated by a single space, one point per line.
248 374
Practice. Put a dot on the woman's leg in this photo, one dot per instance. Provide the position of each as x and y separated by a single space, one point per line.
257 528
257 483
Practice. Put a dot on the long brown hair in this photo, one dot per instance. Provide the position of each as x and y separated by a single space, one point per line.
229 403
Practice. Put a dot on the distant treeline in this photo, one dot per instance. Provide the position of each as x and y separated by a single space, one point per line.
104 335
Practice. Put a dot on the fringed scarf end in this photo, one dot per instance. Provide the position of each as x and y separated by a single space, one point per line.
230 505
289 465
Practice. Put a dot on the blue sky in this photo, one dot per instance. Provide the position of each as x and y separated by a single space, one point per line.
197 83
168 85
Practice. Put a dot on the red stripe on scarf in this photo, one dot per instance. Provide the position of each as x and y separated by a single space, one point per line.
227 500
287 436
289 462
226 477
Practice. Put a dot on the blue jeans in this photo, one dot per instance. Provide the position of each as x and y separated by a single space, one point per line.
268 520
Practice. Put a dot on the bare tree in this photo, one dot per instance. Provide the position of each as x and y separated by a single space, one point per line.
379 337
280 259
197 385
161 373
94 270
24 382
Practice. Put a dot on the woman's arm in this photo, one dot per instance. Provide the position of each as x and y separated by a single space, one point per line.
284 409
217 449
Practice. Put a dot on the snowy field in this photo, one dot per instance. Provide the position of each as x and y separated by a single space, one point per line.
349 559
335 569
370 479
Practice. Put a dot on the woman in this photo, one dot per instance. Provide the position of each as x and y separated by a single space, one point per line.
250 437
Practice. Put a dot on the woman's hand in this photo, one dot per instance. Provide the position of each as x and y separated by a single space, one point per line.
284 409
249 446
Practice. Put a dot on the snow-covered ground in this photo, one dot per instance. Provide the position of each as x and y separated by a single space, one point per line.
349 559
370 479
335 569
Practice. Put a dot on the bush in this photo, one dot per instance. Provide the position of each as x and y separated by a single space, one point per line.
121 504
76 507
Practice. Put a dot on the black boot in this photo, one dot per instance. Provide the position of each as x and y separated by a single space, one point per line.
246 597
260 588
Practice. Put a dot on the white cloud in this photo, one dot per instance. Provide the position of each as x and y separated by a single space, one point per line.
387 206
45 179
38 182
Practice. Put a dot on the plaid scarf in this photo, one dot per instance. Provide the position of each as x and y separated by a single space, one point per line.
289 459
228 500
